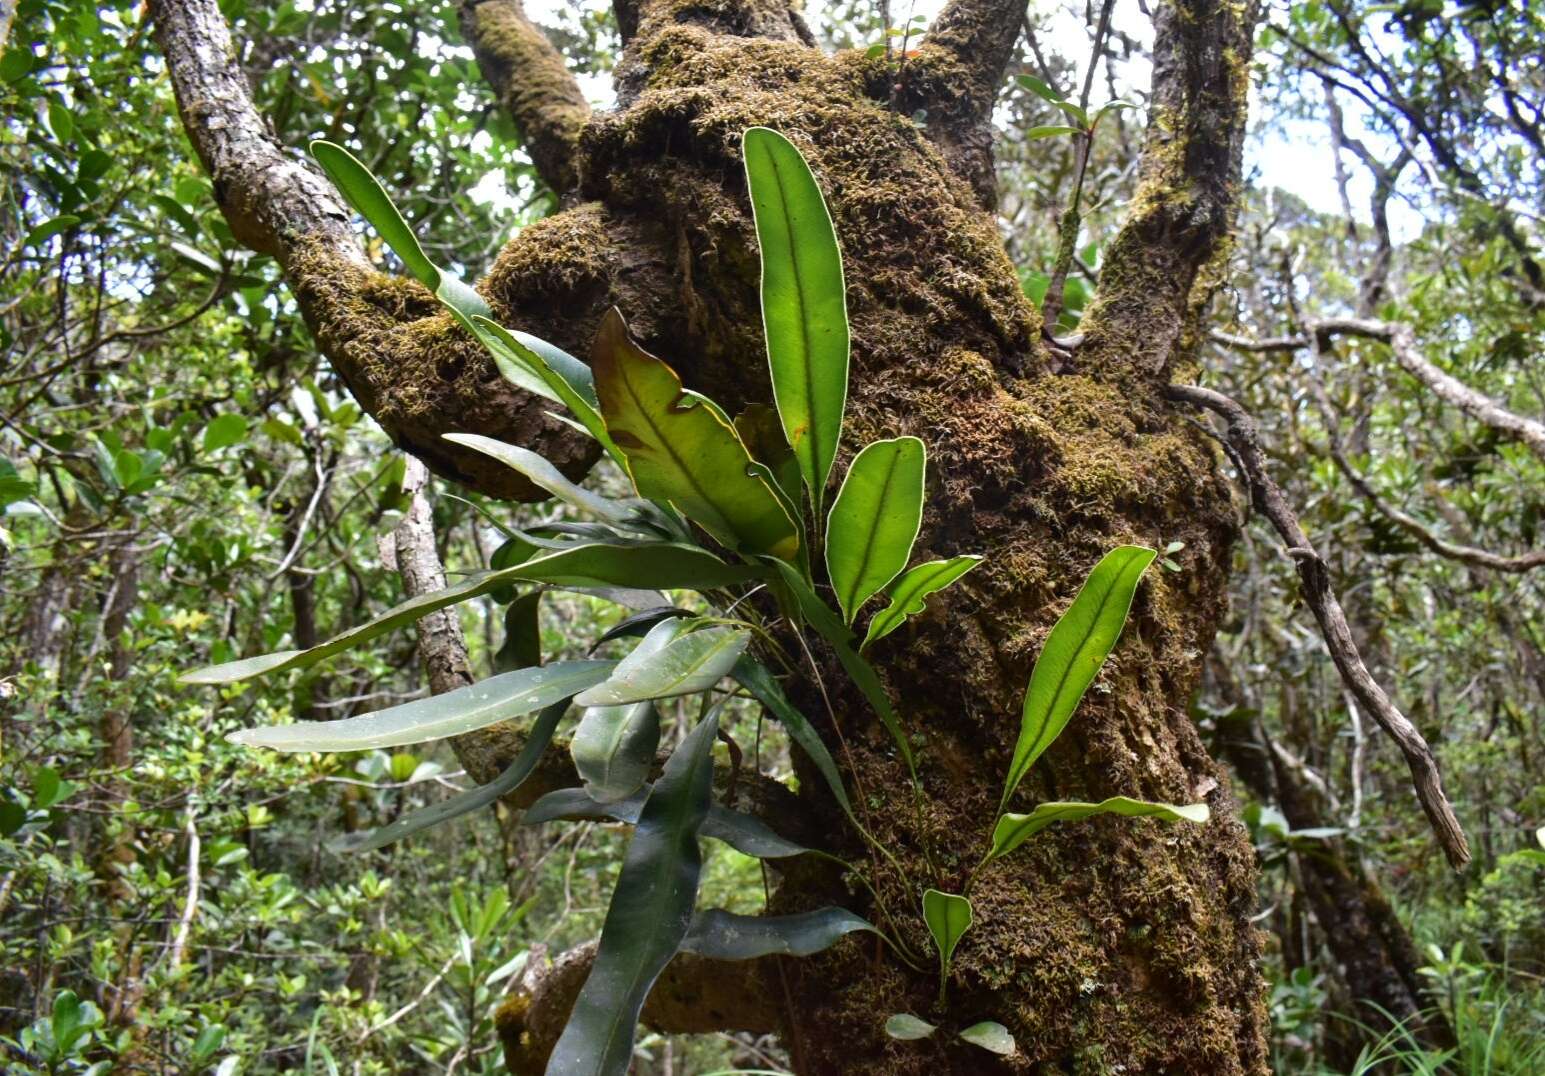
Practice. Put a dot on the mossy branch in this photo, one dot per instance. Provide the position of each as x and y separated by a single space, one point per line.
533 83
980 35
400 355
1180 220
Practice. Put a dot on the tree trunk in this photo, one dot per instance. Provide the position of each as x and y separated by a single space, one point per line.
1375 958
1106 946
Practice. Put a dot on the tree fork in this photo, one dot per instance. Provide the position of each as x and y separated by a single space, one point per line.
1105 939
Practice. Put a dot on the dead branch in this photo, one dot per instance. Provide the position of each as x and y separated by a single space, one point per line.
1314 579
1402 341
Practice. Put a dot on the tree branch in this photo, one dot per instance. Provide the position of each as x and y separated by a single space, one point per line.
1467 554
1402 341
1314 579
980 36
403 358
692 996
776 20
1161 268
533 84
441 646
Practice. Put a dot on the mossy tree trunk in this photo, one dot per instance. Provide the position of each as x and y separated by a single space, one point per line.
1110 946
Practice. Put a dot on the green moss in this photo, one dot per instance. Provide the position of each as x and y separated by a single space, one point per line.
419 374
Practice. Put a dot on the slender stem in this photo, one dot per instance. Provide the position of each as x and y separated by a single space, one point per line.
1051 306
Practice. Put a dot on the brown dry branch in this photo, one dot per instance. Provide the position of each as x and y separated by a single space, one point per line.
1402 342
1314 578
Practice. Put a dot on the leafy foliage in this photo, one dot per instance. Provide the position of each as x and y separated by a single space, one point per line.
804 303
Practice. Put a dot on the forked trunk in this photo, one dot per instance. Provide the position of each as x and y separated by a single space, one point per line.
1109 945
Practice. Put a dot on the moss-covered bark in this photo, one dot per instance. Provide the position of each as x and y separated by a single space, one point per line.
1111 946
1106 946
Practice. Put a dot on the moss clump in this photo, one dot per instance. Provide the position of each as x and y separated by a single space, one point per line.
421 375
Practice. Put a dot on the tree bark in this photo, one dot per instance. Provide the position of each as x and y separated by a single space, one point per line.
1109 945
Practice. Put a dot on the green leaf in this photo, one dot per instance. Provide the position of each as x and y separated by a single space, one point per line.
745 833
72 1021
686 666
1115 106
61 121
210 1038
473 799
475 706
650 912
50 228
1039 88
370 200
1014 829
723 935
1074 652
837 635
755 677
990 1036
906 1027
1052 131
680 449
522 634
909 593
804 302
613 748
545 476
1533 856
223 431
763 437
639 624
875 520
12 817
948 917
664 564
208 1042
48 788
521 357
1074 111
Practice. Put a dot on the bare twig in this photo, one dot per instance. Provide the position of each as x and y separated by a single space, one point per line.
190 908
1480 558
1314 578
1402 341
